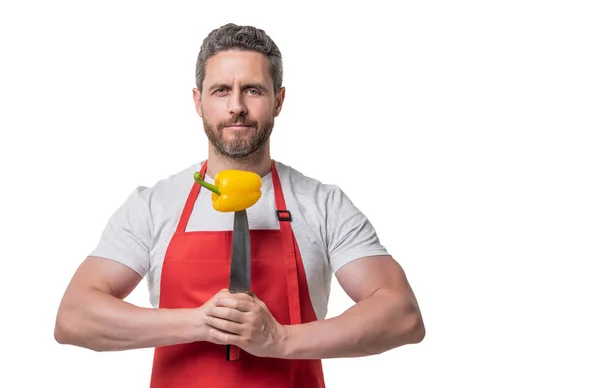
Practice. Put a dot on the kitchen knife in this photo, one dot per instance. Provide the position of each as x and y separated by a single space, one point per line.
239 276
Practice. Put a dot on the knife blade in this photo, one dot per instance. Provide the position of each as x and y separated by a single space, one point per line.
239 275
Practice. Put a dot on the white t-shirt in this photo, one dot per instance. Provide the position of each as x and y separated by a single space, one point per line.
329 229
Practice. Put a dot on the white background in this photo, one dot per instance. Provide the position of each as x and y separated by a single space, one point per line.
466 131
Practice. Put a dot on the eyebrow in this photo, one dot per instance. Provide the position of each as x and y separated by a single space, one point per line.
258 86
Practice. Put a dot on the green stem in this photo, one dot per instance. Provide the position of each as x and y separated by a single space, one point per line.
207 185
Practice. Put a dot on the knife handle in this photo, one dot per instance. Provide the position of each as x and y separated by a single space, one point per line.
233 353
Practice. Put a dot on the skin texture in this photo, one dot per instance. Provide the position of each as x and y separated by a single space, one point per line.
386 315
238 89
93 315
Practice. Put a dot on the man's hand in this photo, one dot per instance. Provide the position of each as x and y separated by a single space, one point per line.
245 321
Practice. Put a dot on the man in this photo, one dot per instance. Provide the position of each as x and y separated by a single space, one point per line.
302 231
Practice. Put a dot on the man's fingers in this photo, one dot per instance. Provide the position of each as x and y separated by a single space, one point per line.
227 313
248 295
222 338
258 301
235 303
222 293
224 325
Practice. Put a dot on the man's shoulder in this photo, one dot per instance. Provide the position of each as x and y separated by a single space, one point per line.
304 185
169 187
184 177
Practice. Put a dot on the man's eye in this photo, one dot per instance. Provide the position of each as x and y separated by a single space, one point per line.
220 90
254 92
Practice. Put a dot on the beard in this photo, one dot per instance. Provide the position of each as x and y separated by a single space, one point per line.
243 144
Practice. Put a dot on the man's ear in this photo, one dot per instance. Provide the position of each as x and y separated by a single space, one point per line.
197 101
279 97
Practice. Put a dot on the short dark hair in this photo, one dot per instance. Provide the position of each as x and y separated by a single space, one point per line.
232 37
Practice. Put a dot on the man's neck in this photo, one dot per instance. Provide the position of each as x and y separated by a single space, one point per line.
259 162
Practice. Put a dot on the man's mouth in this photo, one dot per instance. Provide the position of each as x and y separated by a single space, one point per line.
238 127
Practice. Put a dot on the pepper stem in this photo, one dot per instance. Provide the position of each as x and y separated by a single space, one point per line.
207 185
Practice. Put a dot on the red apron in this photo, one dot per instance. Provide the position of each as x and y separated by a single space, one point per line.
196 266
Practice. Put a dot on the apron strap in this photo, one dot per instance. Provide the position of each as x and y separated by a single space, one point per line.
189 204
289 251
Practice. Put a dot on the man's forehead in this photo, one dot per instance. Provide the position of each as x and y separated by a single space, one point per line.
235 64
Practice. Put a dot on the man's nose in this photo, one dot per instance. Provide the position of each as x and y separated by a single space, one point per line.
237 107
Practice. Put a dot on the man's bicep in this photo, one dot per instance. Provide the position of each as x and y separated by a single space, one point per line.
105 275
367 276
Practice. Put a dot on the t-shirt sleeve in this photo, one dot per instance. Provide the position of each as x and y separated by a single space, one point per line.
127 235
350 235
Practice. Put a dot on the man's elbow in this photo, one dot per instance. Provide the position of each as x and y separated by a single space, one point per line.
67 331
418 330
62 336
413 329
63 329
70 329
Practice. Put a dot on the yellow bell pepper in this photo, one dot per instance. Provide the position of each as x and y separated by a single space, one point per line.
233 190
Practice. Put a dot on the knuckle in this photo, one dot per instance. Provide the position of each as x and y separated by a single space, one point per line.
252 320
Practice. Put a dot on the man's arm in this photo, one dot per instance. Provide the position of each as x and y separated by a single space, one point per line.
386 315
93 314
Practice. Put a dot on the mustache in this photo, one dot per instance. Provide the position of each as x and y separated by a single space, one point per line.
237 121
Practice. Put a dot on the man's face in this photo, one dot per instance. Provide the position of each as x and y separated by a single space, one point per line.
237 103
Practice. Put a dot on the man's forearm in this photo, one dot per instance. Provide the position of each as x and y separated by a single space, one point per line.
372 326
104 323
